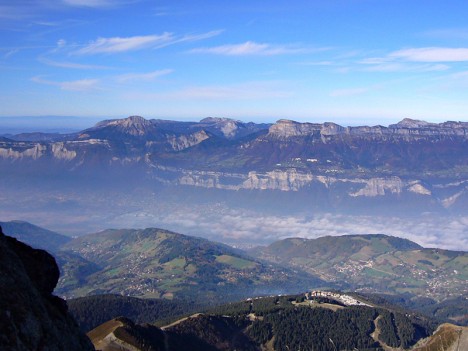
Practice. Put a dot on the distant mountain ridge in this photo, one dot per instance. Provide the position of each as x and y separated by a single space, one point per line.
411 166
35 236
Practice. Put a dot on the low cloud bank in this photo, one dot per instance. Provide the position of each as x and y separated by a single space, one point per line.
244 228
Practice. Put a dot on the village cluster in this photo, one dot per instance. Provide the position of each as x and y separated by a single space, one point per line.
346 300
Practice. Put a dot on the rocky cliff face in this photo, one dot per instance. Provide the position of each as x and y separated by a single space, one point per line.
31 318
185 141
294 180
405 128
285 128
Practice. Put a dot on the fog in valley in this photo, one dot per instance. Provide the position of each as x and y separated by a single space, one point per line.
76 211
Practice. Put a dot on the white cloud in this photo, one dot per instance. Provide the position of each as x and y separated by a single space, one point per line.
202 36
250 48
432 54
61 43
66 64
250 227
79 85
75 85
404 67
117 44
430 59
150 76
46 24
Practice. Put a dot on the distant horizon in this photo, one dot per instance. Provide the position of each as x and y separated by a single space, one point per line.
75 123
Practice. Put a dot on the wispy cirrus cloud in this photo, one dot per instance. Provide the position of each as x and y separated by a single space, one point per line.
147 77
197 37
74 85
73 65
118 44
431 54
426 59
251 48
405 67
124 44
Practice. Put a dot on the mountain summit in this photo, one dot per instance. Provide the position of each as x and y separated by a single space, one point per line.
135 126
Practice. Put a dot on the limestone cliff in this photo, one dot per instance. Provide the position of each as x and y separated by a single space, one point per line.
408 129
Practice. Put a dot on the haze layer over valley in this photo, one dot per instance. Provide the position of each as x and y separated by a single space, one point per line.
243 183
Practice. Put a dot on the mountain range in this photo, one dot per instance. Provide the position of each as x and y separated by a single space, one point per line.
411 165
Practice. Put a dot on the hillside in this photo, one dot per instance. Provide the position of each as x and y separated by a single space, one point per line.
448 337
285 323
157 263
35 236
376 263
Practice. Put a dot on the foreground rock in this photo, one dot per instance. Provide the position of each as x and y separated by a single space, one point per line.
31 318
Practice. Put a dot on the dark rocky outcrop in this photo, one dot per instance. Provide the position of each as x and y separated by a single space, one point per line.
31 318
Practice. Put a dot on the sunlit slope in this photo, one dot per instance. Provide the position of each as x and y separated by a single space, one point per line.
158 263
376 263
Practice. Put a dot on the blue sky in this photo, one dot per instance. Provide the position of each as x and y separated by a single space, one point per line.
348 61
